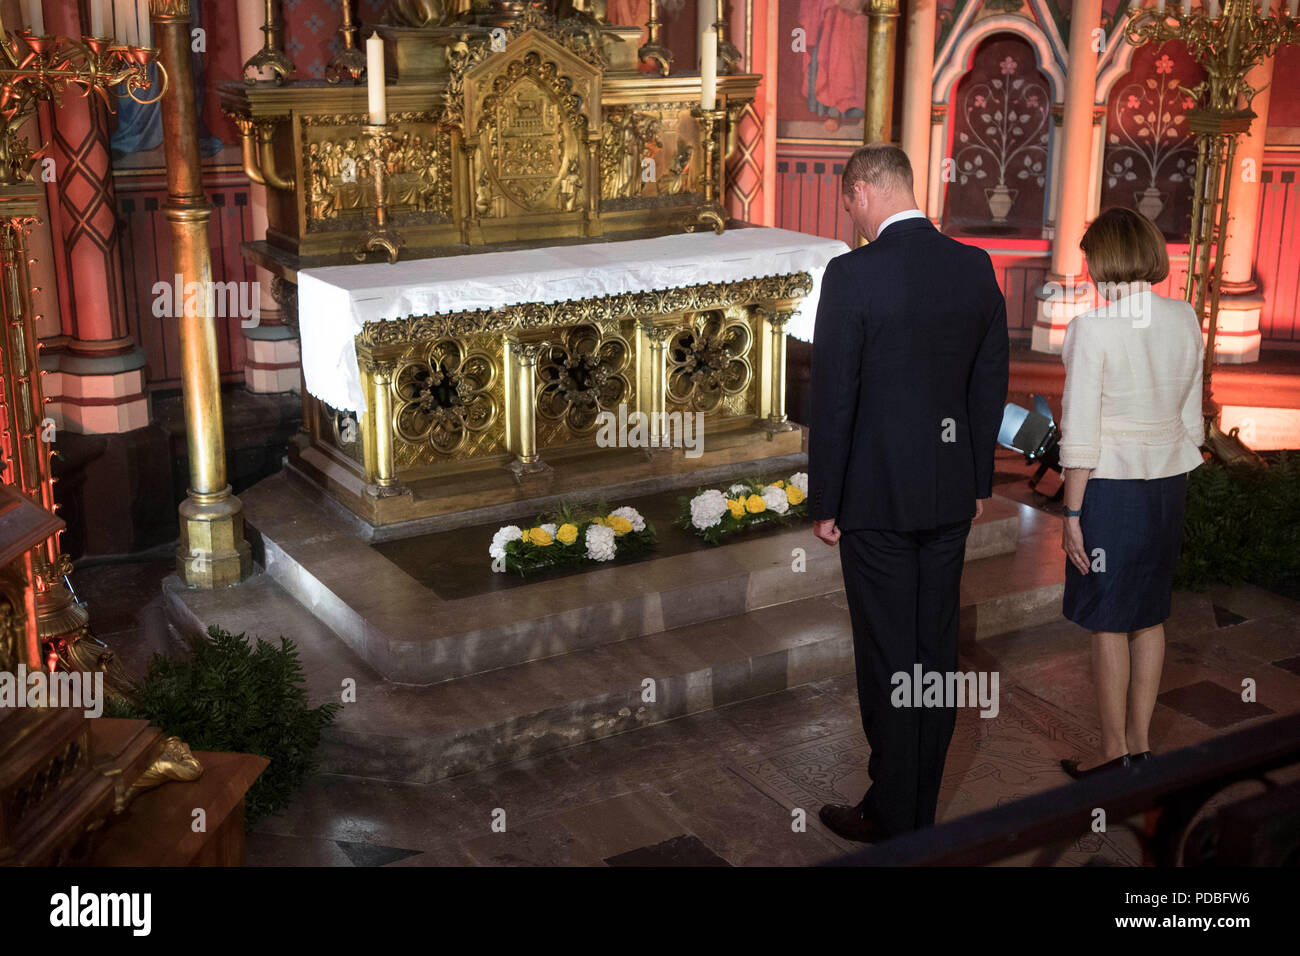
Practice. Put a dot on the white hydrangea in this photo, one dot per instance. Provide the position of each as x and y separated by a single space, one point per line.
738 489
800 481
776 500
549 528
708 508
502 538
600 543
631 515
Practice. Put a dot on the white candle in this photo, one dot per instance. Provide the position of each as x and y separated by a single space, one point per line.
1214 8
705 11
1293 8
375 80
36 17
1187 8
709 70
1160 6
96 18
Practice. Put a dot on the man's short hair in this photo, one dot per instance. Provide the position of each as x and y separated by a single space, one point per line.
882 165
1125 246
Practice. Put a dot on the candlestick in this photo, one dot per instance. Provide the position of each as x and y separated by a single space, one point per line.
375 80
709 69
36 17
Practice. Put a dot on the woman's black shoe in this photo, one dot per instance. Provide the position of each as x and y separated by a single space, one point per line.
1144 755
1072 767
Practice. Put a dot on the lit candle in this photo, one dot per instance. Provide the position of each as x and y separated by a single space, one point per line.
36 17
375 80
709 69
96 18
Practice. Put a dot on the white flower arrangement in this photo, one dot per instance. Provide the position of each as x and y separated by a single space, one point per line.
574 537
713 514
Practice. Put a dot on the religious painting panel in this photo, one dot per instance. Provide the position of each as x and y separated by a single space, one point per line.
821 69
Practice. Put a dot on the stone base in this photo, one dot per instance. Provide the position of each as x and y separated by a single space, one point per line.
212 552
1059 301
463 669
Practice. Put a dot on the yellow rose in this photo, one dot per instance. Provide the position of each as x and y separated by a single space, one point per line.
779 483
538 536
566 533
599 521
755 504
737 507
793 495
620 525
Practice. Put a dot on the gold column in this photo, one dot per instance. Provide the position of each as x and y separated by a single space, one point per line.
877 124
521 406
377 443
652 376
212 552
771 394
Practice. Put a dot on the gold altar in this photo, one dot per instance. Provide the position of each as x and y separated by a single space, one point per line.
515 125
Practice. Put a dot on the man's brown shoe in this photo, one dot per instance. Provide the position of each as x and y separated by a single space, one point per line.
849 823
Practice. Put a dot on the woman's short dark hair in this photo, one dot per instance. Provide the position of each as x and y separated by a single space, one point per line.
1125 246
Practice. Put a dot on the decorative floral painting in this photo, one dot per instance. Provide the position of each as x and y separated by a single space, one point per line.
1001 122
1150 153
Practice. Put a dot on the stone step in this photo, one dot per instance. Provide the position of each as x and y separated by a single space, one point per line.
409 633
412 733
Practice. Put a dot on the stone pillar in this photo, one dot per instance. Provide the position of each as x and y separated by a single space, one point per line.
272 357
935 186
918 73
1241 300
97 373
212 552
1064 295
1098 160
1054 181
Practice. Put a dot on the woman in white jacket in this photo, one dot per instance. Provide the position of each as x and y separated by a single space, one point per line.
1131 430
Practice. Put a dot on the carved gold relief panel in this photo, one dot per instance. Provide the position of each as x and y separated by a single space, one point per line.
527 114
448 401
647 156
586 370
340 166
710 363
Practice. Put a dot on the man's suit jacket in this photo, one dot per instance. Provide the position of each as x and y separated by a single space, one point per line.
909 379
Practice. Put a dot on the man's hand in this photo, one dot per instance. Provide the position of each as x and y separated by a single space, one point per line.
1072 544
827 531
979 506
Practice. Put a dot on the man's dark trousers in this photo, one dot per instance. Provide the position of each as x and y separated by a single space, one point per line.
903 590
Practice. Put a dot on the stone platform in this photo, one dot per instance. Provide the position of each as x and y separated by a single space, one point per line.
458 669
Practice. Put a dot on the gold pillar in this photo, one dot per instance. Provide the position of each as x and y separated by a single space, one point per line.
212 552
377 427
877 124
652 376
771 389
521 405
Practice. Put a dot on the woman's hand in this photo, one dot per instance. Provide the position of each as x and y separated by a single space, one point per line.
1072 544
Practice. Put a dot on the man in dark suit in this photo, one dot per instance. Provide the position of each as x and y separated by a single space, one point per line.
909 378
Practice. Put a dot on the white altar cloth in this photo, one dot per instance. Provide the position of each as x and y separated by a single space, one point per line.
334 302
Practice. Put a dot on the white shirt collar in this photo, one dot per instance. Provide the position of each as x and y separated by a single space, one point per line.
899 217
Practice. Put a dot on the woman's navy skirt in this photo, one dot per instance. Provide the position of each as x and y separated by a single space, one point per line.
1132 531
